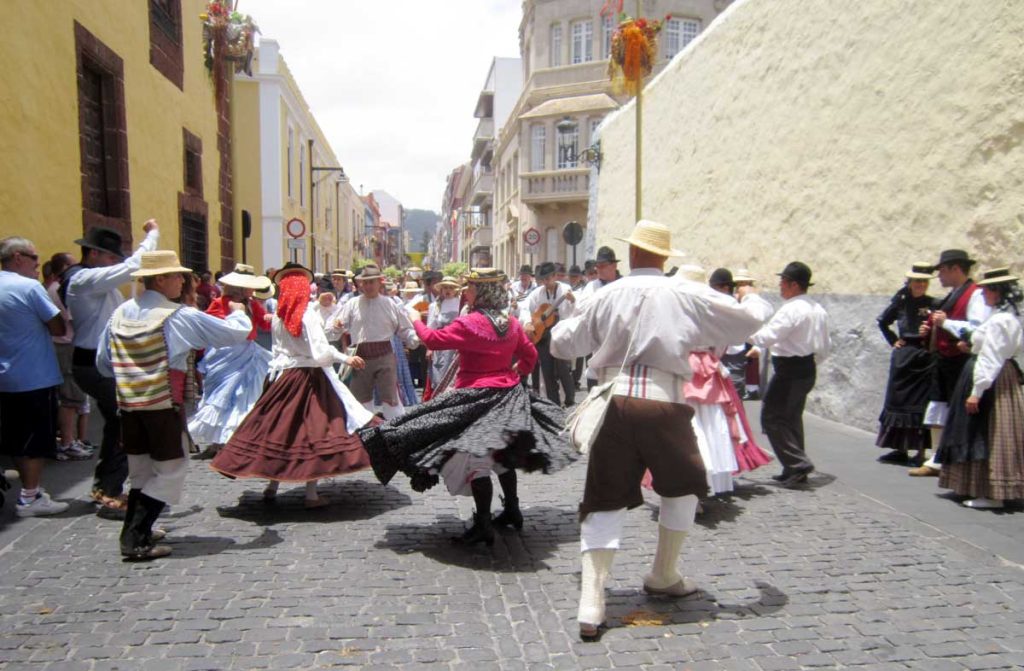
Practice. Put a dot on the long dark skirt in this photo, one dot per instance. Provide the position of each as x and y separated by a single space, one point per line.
963 437
906 397
295 433
517 428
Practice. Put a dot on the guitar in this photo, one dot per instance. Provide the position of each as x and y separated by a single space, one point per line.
544 318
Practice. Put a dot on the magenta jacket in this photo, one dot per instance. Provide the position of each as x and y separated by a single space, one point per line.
484 359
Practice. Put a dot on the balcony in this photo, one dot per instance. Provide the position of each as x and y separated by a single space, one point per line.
483 188
483 136
555 186
593 71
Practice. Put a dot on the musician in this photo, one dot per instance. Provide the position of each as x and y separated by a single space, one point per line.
958 315
519 292
590 270
556 298
641 330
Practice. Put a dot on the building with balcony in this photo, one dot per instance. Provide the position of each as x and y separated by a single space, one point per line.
540 180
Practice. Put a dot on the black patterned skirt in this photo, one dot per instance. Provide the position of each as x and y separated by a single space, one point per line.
517 428
906 397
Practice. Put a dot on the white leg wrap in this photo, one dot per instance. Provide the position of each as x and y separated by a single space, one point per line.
168 481
664 573
935 414
393 411
678 512
602 530
140 470
597 565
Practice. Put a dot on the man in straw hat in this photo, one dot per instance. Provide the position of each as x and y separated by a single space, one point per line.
959 313
147 341
799 338
641 330
370 320
91 292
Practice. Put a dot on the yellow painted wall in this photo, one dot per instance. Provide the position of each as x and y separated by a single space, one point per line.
40 176
855 136
245 129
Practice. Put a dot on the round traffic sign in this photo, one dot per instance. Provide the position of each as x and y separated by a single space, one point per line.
295 227
531 236
572 233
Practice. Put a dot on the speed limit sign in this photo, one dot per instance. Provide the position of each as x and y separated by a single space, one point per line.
295 227
531 236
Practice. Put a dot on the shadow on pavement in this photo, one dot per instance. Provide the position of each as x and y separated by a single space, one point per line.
544 531
349 500
186 547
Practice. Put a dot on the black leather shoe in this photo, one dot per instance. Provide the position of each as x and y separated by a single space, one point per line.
796 478
781 476
895 457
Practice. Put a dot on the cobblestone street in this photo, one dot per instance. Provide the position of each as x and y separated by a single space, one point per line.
824 577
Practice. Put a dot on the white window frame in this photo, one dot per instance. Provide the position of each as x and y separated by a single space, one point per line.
581 41
678 33
555 57
302 174
291 157
607 28
538 147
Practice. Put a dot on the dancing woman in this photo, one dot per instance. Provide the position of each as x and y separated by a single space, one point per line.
303 427
488 422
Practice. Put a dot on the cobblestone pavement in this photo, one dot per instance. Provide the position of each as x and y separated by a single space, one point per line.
817 578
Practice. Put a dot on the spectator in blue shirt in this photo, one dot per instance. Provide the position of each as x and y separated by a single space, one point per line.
29 374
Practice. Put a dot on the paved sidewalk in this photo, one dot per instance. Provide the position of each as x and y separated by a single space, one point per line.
865 568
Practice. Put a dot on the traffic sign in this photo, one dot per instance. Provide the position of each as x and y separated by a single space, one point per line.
531 237
295 227
297 244
572 233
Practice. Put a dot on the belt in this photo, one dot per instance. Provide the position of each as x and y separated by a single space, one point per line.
373 350
83 357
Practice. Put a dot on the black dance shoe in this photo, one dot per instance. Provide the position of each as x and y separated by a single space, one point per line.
510 516
895 457
480 532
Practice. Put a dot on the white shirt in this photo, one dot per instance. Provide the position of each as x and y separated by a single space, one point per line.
998 338
647 320
540 296
309 350
977 312
93 293
520 291
185 330
376 320
799 328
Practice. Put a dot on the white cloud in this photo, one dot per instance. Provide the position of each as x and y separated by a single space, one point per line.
393 83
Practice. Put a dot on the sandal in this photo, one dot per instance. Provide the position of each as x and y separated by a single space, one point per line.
119 503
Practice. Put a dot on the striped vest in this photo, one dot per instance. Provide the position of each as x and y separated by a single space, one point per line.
138 351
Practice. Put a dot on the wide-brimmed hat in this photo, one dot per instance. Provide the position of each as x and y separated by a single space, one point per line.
652 237
411 287
743 275
953 255
245 277
449 281
721 276
414 272
484 275
525 269
103 239
605 255
265 294
996 276
590 265
921 271
691 272
340 272
160 262
369 272
798 272
545 269
574 271
289 269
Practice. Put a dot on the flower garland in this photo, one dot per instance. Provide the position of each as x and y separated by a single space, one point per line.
634 50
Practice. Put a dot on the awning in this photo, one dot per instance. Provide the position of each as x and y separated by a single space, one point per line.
595 102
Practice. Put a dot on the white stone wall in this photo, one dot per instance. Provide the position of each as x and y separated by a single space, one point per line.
855 136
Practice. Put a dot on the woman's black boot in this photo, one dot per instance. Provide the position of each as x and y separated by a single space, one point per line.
481 531
510 515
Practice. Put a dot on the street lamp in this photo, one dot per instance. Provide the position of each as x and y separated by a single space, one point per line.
342 178
591 155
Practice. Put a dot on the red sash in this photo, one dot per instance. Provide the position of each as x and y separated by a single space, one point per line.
945 343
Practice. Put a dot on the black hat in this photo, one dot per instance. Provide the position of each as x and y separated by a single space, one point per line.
721 276
574 271
526 270
103 239
606 255
797 272
953 255
559 267
290 268
545 269
433 276
589 265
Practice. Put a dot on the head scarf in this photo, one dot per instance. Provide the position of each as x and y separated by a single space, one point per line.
492 302
293 298
1010 297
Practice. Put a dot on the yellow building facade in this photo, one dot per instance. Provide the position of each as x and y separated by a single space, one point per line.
109 116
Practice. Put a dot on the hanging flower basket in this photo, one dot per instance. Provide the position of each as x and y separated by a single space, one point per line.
634 50
229 35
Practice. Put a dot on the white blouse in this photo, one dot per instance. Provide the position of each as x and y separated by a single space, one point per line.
1000 337
309 350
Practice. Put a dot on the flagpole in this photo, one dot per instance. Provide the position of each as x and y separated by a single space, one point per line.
639 133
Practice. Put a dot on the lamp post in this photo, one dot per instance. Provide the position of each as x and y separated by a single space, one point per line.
342 178
591 155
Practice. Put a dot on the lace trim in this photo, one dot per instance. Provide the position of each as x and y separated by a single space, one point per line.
480 325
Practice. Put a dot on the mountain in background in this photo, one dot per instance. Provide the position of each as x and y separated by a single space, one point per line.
418 222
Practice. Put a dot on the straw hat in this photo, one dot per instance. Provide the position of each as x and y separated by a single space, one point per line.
449 281
245 277
290 268
652 237
921 271
411 287
743 275
160 262
996 276
484 275
691 272
370 272
265 294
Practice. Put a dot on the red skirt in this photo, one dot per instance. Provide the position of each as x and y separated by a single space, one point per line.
295 433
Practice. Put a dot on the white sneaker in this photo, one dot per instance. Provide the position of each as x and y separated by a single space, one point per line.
73 452
983 504
41 505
